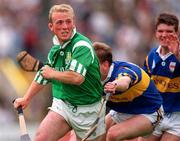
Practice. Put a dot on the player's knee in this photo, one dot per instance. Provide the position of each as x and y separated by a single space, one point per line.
40 136
111 136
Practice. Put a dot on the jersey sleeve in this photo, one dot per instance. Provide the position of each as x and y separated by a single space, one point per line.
149 61
146 66
82 58
124 71
40 79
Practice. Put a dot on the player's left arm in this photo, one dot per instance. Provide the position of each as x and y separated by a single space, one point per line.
82 58
68 77
126 78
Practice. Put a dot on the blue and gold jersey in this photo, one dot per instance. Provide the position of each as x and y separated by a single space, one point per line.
141 97
165 72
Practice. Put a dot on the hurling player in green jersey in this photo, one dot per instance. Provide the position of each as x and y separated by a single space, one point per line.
73 69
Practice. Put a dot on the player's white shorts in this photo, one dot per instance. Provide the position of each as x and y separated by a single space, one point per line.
82 117
154 117
170 123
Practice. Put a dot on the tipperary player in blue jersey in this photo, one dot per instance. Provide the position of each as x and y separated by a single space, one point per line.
163 65
135 102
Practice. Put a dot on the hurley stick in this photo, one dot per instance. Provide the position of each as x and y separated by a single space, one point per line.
24 134
28 62
95 124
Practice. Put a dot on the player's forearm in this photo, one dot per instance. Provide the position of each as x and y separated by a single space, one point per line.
68 77
32 90
122 84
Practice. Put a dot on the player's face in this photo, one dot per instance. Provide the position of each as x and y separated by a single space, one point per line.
62 25
162 33
104 69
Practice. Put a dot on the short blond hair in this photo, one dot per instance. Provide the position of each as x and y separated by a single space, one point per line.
60 8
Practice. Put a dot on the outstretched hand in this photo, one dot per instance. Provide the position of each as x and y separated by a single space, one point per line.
174 44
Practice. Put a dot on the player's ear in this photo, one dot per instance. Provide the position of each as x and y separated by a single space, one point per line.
106 63
50 25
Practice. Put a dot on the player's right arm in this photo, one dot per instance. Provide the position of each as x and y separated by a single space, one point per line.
31 92
120 84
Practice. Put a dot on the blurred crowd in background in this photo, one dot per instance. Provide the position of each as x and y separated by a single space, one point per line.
126 25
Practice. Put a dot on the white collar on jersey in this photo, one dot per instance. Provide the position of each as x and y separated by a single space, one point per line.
111 68
163 57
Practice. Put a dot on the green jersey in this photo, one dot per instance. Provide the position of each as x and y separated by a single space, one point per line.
77 54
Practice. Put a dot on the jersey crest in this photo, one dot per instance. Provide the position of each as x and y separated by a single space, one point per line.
172 66
68 57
